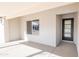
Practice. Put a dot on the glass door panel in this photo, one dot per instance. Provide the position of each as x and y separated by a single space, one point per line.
67 30
67 35
68 22
67 27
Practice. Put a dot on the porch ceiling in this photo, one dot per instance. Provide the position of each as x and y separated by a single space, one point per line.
14 9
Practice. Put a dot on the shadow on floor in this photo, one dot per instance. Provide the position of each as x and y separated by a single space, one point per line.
64 49
35 54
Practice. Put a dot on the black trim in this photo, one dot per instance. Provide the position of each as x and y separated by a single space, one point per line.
72 29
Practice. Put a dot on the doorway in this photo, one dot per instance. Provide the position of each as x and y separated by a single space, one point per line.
67 29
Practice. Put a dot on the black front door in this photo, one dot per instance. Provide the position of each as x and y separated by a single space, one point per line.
67 29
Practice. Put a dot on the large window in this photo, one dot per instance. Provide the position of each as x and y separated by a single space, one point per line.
29 27
33 27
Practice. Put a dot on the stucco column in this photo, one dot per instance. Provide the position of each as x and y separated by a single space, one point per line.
78 34
6 30
3 30
2 35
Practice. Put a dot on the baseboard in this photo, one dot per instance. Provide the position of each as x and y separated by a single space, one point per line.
77 49
43 43
68 41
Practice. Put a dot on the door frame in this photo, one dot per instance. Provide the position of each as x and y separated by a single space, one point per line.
72 28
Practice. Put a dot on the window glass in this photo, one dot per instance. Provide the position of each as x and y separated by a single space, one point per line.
68 26
68 22
67 30
67 35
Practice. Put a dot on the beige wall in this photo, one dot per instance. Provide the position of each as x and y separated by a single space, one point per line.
47 19
14 29
47 28
58 29
47 34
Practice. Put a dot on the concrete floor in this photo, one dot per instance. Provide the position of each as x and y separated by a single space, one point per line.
31 49
65 49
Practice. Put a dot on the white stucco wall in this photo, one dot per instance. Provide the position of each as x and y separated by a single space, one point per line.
58 29
78 34
47 28
47 19
47 33
14 29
